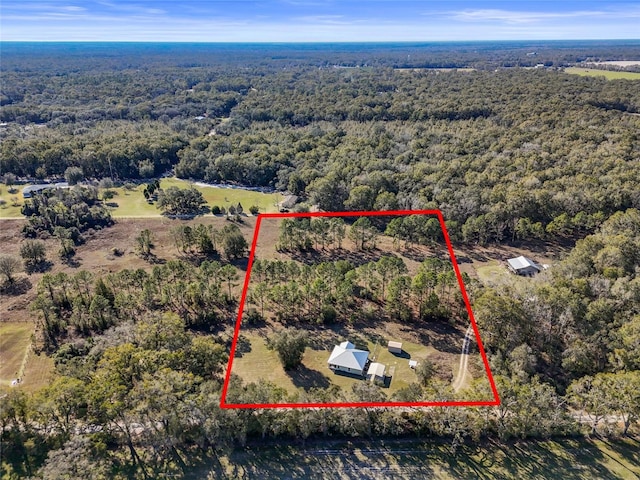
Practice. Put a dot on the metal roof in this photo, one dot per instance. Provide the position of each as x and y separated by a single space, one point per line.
347 356
376 369
521 262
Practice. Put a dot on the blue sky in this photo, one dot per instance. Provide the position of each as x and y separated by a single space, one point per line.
315 20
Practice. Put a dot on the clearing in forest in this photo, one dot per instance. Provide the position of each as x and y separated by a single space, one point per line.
355 309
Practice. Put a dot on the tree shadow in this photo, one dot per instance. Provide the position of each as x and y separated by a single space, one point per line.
72 261
243 345
348 375
240 263
39 267
153 259
438 335
17 287
402 354
315 257
308 378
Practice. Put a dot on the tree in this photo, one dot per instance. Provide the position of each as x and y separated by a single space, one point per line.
608 394
290 345
144 242
78 458
629 354
389 267
9 180
328 192
361 198
362 233
177 201
204 237
146 169
425 370
229 273
33 253
233 242
9 266
73 175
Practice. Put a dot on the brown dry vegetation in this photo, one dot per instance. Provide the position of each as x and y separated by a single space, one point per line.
95 255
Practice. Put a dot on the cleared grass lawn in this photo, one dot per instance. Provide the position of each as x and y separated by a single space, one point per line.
262 363
494 273
571 459
15 338
131 203
225 197
18 360
40 371
9 210
594 72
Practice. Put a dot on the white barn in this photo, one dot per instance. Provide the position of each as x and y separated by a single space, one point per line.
523 266
347 358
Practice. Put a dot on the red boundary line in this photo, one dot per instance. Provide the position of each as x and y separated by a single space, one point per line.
438 213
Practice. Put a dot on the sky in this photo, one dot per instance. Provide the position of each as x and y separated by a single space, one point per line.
316 20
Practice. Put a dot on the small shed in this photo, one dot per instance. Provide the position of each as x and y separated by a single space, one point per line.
376 372
413 364
523 266
395 347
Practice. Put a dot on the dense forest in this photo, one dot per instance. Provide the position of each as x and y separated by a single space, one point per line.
504 153
508 153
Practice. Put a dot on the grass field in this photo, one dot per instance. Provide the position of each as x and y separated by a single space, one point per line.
570 459
494 273
15 339
131 203
17 360
609 75
262 363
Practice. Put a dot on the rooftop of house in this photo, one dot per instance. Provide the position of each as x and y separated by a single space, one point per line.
521 262
347 355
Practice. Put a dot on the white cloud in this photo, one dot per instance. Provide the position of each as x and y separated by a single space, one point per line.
322 19
523 17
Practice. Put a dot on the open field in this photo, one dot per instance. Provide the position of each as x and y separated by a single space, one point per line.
15 339
617 63
17 359
594 72
570 459
131 203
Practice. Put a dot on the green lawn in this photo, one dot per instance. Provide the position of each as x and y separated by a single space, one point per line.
570 459
262 363
131 203
15 338
609 75
494 273
14 201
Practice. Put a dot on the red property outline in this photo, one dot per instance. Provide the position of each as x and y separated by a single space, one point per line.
438 213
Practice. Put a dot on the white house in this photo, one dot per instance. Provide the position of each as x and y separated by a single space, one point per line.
28 192
523 266
347 358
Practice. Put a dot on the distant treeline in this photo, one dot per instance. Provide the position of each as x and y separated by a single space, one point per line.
507 154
